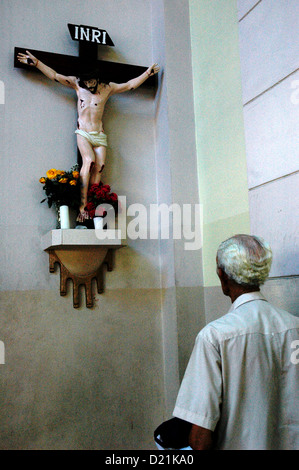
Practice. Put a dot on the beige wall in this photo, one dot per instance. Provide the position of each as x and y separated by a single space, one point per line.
86 378
222 171
269 64
100 378
80 379
246 112
220 142
181 270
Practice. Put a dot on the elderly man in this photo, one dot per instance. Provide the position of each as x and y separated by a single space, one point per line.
241 386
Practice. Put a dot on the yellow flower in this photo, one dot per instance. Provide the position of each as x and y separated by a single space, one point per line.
59 172
76 174
73 182
51 174
63 180
42 180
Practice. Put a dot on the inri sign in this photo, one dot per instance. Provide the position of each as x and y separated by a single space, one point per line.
90 34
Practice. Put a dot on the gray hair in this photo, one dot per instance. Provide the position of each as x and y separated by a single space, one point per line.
246 259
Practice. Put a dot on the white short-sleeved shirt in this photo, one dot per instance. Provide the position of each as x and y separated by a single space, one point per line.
242 380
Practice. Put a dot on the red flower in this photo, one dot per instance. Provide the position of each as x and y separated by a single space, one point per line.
106 188
113 197
92 189
99 193
91 208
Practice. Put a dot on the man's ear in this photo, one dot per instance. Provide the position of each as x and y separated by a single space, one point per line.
221 274
224 281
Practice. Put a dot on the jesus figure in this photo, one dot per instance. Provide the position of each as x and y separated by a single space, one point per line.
92 93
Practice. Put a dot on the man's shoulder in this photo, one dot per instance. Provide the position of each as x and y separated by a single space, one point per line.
219 329
255 316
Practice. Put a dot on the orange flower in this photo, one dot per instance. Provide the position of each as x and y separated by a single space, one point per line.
42 180
76 174
73 182
60 173
63 180
51 174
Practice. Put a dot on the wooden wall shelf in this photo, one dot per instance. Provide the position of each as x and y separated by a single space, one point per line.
82 255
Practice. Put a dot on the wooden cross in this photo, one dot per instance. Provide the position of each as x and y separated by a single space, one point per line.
89 39
88 58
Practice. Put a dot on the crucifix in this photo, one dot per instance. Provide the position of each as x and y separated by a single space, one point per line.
94 82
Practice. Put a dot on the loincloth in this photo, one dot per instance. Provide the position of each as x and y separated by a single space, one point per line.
95 138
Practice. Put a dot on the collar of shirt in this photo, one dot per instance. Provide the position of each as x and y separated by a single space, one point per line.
244 298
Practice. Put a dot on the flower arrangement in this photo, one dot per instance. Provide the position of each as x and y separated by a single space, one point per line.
62 187
100 194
